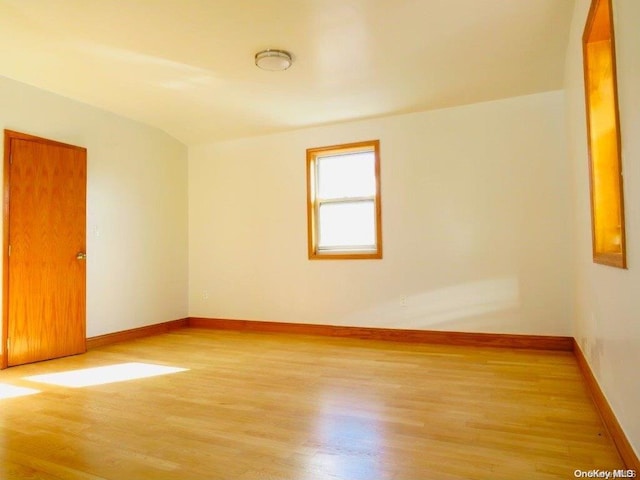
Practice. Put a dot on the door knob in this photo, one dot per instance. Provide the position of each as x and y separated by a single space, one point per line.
81 256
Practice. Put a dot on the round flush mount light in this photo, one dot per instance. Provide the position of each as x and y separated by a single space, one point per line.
273 60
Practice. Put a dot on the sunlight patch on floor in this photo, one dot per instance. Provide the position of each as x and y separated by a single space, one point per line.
11 391
102 375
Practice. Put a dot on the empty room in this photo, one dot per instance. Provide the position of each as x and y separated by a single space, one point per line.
320 239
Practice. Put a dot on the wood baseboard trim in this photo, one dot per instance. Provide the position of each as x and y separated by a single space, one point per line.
629 456
536 342
134 333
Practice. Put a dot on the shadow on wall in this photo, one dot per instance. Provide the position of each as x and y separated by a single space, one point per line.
442 307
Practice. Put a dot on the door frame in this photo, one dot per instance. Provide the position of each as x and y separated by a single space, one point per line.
10 135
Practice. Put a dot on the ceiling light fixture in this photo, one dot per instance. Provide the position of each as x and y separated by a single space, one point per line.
273 60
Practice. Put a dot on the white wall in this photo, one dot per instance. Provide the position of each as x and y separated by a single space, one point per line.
476 225
136 206
607 301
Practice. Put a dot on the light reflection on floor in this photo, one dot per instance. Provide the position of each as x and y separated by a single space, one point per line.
11 391
101 375
349 438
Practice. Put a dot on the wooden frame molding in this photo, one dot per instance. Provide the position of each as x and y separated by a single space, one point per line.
537 342
609 419
314 155
4 361
603 137
135 333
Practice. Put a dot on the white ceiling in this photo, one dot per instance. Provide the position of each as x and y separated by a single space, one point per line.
186 66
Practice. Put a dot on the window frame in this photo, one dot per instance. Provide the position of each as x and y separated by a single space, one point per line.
605 161
313 203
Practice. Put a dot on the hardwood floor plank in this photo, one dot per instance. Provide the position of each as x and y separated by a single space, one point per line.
255 406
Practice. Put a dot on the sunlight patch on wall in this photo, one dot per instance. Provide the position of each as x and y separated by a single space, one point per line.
11 391
465 300
102 375
444 305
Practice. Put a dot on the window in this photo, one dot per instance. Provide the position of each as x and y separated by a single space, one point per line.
343 201
607 204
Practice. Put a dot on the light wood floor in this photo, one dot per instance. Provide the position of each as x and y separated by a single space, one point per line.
279 407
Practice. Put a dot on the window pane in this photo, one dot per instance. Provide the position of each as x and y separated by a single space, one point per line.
348 175
347 224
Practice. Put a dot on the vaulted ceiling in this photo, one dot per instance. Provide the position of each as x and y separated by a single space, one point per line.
187 66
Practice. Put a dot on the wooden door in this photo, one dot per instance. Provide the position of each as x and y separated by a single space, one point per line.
45 310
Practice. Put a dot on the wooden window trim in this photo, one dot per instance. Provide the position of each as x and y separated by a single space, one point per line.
599 31
312 233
